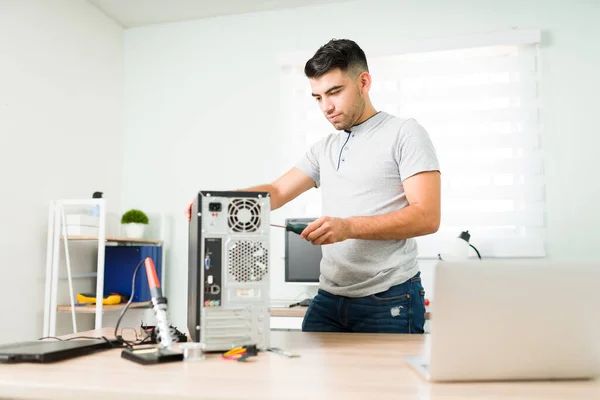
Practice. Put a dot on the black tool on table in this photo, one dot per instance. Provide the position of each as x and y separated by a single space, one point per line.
303 303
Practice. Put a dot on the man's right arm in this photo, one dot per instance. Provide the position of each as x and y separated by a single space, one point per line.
286 188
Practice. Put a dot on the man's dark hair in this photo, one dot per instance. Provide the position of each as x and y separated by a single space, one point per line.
337 53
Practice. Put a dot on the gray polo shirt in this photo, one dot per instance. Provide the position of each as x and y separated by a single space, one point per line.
360 173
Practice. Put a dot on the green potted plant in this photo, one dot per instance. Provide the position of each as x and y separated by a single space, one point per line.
134 222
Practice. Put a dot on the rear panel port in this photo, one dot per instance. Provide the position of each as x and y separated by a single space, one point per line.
214 207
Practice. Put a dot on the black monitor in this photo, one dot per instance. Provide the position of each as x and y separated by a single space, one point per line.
302 258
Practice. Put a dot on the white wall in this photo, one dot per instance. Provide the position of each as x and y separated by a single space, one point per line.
61 104
202 108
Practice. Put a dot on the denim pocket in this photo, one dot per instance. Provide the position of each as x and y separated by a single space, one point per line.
378 297
395 293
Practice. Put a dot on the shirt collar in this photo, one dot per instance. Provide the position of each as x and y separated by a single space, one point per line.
367 124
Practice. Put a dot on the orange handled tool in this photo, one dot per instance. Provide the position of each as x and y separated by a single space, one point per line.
153 281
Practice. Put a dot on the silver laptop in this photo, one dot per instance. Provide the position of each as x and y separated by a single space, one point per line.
513 320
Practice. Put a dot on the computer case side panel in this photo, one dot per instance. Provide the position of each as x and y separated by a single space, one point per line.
194 270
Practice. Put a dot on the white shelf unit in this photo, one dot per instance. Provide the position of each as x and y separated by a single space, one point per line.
57 235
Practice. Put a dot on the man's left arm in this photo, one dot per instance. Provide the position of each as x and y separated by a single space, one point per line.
420 217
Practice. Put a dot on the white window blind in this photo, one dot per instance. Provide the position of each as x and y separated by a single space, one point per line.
480 106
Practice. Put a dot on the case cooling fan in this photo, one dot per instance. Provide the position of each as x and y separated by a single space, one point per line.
243 215
248 261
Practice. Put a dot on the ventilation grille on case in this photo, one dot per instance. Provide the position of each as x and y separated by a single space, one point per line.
243 215
248 261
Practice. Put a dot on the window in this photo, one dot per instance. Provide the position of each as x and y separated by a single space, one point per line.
480 104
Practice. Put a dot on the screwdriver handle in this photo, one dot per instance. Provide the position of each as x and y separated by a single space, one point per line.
296 228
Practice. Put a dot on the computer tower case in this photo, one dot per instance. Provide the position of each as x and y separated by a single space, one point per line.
229 269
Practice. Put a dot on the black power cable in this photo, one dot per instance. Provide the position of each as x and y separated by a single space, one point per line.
119 337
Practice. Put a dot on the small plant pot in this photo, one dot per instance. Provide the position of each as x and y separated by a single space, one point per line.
133 230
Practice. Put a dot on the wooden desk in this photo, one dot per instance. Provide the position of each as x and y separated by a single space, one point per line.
331 366
297 311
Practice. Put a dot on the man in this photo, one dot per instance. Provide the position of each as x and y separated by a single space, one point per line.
380 183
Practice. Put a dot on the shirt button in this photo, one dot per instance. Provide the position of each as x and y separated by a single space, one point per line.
353 135
343 160
347 148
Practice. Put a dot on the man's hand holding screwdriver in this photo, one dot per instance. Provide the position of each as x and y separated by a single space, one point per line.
325 230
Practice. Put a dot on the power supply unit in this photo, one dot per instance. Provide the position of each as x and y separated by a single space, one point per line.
229 273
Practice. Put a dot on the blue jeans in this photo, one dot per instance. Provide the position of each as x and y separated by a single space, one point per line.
400 309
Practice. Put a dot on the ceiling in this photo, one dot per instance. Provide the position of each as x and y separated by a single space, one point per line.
133 13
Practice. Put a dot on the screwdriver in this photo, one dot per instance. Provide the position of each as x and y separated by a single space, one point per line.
296 228
281 352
